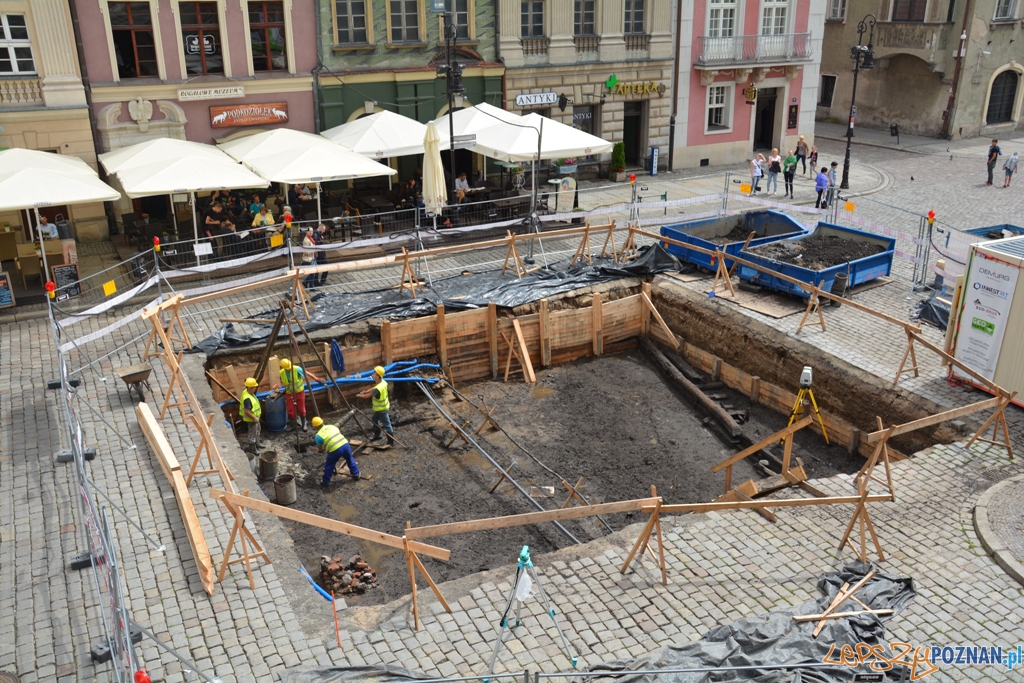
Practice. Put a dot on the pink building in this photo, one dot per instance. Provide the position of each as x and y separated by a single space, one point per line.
748 78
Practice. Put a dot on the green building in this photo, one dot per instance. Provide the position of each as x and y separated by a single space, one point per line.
383 54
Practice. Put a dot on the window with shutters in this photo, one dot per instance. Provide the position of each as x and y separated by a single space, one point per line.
134 47
351 23
634 21
909 10
15 46
200 37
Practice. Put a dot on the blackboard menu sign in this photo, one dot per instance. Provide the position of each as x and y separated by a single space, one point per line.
6 291
66 279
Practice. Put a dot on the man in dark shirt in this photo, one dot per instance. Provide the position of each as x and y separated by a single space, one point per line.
993 154
295 202
213 218
321 256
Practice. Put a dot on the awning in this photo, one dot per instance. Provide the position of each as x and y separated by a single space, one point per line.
380 136
32 179
517 140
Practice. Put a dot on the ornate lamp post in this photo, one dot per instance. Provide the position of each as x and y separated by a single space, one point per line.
863 57
452 71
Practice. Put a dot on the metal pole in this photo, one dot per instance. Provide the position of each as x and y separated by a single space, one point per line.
195 225
858 55
450 38
534 219
319 215
725 193
42 250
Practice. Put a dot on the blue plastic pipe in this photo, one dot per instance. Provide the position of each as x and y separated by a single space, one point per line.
321 386
321 591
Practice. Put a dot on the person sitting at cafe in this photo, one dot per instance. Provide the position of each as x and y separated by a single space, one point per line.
46 229
219 196
295 201
410 189
255 204
417 175
233 207
230 239
263 219
461 187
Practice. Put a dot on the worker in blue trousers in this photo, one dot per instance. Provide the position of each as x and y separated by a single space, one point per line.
378 395
330 440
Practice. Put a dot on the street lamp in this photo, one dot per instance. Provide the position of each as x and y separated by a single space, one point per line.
863 57
452 71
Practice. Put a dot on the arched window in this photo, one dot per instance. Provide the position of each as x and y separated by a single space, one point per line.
1002 97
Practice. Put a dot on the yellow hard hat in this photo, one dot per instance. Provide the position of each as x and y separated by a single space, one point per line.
317 422
251 383
286 364
380 371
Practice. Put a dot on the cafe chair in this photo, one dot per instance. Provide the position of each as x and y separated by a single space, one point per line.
29 267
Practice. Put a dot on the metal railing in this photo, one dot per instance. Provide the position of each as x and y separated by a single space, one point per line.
780 47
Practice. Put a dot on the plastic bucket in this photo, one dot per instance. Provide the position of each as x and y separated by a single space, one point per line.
284 487
276 413
268 465
839 285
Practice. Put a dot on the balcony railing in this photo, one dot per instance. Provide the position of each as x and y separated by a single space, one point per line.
20 92
586 43
782 47
636 42
537 45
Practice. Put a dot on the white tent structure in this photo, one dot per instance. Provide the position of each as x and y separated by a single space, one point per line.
473 119
30 179
169 166
380 136
291 156
534 137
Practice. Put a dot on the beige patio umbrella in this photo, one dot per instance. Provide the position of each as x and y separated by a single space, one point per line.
434 191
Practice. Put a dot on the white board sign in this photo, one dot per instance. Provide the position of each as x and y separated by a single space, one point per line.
536 99
203 249
193 94
987 298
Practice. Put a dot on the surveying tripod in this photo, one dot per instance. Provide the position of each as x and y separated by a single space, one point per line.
521 586
801 399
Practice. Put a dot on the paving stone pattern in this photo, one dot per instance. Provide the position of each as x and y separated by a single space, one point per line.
722 566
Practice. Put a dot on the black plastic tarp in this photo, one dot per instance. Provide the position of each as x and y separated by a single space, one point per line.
457 293
764 640
932 310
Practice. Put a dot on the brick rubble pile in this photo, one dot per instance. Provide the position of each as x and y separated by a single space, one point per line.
343 578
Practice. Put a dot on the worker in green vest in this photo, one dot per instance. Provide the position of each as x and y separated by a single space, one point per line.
249 409
293 379
381 405
330 440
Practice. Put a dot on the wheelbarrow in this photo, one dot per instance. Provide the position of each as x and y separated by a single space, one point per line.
135 376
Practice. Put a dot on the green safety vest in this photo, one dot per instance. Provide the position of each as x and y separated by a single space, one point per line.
332 437
381 404
292 382
255 410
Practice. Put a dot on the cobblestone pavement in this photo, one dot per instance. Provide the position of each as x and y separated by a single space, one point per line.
722 566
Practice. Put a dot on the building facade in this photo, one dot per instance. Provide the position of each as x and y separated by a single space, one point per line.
748 77
604 66
199 71
43 101
924 51
383 55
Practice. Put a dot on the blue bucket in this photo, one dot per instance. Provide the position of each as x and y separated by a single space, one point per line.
276 413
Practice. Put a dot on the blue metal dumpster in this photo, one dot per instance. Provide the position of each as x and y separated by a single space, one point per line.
767 226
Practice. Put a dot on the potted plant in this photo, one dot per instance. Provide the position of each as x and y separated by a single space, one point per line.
618 170
566 165
145 218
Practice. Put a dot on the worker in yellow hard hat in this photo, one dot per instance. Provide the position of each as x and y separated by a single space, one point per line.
330 440
381 405
293 379
249 409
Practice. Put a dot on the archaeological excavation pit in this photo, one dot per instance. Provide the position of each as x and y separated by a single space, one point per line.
599 410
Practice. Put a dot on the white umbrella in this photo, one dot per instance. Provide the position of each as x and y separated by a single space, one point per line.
31 179
518 140
434 191
291 156
381 135
160 150
472 119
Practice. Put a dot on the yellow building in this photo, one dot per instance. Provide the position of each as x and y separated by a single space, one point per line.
43 102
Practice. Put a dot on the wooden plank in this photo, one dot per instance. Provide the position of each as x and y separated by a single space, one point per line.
780 481
157 440
234 384
442 338
385 343
330 524
596 324
489 523
875 437
545 334
766 441
527 364
661 322
840 615
785 502
492 337
645 311
191 301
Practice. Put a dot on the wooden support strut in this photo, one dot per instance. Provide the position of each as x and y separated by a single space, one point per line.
583 251
409 279
609 239
909 353
413 563
813 303
722 272
997 419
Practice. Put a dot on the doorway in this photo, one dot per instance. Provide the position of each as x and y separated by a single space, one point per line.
633 132
764 121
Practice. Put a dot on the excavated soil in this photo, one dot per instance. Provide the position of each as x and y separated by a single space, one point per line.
817 252
612 421
737 234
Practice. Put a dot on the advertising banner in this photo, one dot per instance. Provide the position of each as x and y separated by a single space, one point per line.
987 298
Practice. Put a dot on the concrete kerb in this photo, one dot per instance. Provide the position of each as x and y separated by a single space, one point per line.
993 544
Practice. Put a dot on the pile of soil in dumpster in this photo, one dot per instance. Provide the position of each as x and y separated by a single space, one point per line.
737 234
818 252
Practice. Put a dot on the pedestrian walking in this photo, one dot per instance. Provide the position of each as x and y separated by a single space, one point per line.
788 171
801 154
1010 166
381 406
774 169
832 183
308 259
812 160
330 440
321 256
293 379
821 186
756 172
249 409
993 155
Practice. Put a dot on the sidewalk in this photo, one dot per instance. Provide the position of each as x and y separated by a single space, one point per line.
1000 525
917 144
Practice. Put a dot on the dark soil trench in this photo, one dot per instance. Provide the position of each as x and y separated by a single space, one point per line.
611 420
